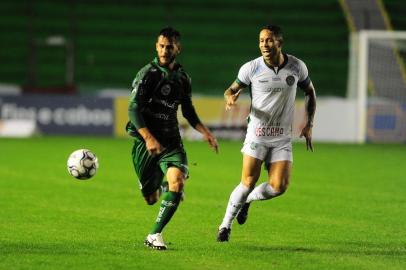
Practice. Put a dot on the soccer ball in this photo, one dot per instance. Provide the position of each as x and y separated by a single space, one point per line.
82 164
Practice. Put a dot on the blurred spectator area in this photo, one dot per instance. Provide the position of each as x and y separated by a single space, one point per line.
396 10
397 14
90 45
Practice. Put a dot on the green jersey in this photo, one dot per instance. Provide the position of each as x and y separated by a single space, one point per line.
157 93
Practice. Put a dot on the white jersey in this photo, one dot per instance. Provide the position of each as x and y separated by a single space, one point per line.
273 94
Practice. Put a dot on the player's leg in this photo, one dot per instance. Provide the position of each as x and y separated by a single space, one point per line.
279 166
169 204
250 174
174 163
278 181
153 186
170 200
161 189
150 178
152 198
148 171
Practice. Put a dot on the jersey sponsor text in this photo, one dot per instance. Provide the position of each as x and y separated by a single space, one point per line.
270 131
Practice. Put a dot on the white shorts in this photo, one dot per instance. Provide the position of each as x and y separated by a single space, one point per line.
277 151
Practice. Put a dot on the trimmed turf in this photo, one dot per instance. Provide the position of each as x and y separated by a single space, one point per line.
345 209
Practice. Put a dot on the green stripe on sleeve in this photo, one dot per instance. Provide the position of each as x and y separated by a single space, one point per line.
240 83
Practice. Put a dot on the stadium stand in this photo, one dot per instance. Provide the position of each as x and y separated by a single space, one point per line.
113 39
397 11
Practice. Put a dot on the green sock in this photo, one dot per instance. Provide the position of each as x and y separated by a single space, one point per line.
165 186
169 204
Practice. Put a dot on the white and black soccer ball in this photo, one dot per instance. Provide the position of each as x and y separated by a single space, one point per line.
82 164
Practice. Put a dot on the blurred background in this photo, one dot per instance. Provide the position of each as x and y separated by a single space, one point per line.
67 66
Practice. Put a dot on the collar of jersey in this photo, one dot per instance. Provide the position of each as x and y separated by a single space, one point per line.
285 61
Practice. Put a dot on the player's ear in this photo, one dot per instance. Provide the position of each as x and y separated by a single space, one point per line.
179 46
280 42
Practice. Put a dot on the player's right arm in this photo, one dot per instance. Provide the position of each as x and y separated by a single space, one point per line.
153 146
138 103
232 93
243 80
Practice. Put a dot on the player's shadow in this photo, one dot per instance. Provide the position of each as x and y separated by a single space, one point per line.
338 248
40 248
55 248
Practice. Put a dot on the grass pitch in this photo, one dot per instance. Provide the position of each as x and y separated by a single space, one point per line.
345 209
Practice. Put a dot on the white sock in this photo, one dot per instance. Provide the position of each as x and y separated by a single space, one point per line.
236 201
262 192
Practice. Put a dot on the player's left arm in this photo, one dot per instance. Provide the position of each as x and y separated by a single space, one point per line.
189 112
208 136
310 106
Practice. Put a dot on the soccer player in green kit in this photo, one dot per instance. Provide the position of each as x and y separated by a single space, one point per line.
158 89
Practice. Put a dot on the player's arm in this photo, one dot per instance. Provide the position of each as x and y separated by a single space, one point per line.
137 105
153 146
310 107
189 112
208 136
232 93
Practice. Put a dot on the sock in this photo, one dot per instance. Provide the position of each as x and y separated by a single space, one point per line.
164 187
262 192
169 204
236 201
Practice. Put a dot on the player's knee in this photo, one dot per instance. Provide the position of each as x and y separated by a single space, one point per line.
176 179
279 188
177 185
249 181
150 201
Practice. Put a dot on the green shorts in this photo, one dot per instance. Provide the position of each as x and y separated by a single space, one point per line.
151 170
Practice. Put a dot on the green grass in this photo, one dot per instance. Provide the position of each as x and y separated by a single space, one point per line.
345 209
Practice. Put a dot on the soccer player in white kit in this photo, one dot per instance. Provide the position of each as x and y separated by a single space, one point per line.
272 79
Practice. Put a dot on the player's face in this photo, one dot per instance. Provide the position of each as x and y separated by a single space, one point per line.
167 50
268 45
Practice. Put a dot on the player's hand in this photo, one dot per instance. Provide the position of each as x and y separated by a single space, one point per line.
212 141
231 99
153 146
307 133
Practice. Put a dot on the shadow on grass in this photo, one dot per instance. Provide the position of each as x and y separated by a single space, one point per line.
124 247
63 248
42 248
343 248
77 248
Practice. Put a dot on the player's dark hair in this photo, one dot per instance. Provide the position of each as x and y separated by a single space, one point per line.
276 30
170 33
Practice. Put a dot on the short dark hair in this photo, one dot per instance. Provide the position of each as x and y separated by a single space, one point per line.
170 33
276 30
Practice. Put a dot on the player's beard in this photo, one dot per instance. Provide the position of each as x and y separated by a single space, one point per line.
273 51
169 60
273 56
172 59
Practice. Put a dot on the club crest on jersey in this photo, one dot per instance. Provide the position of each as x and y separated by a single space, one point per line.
290 80
166 89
